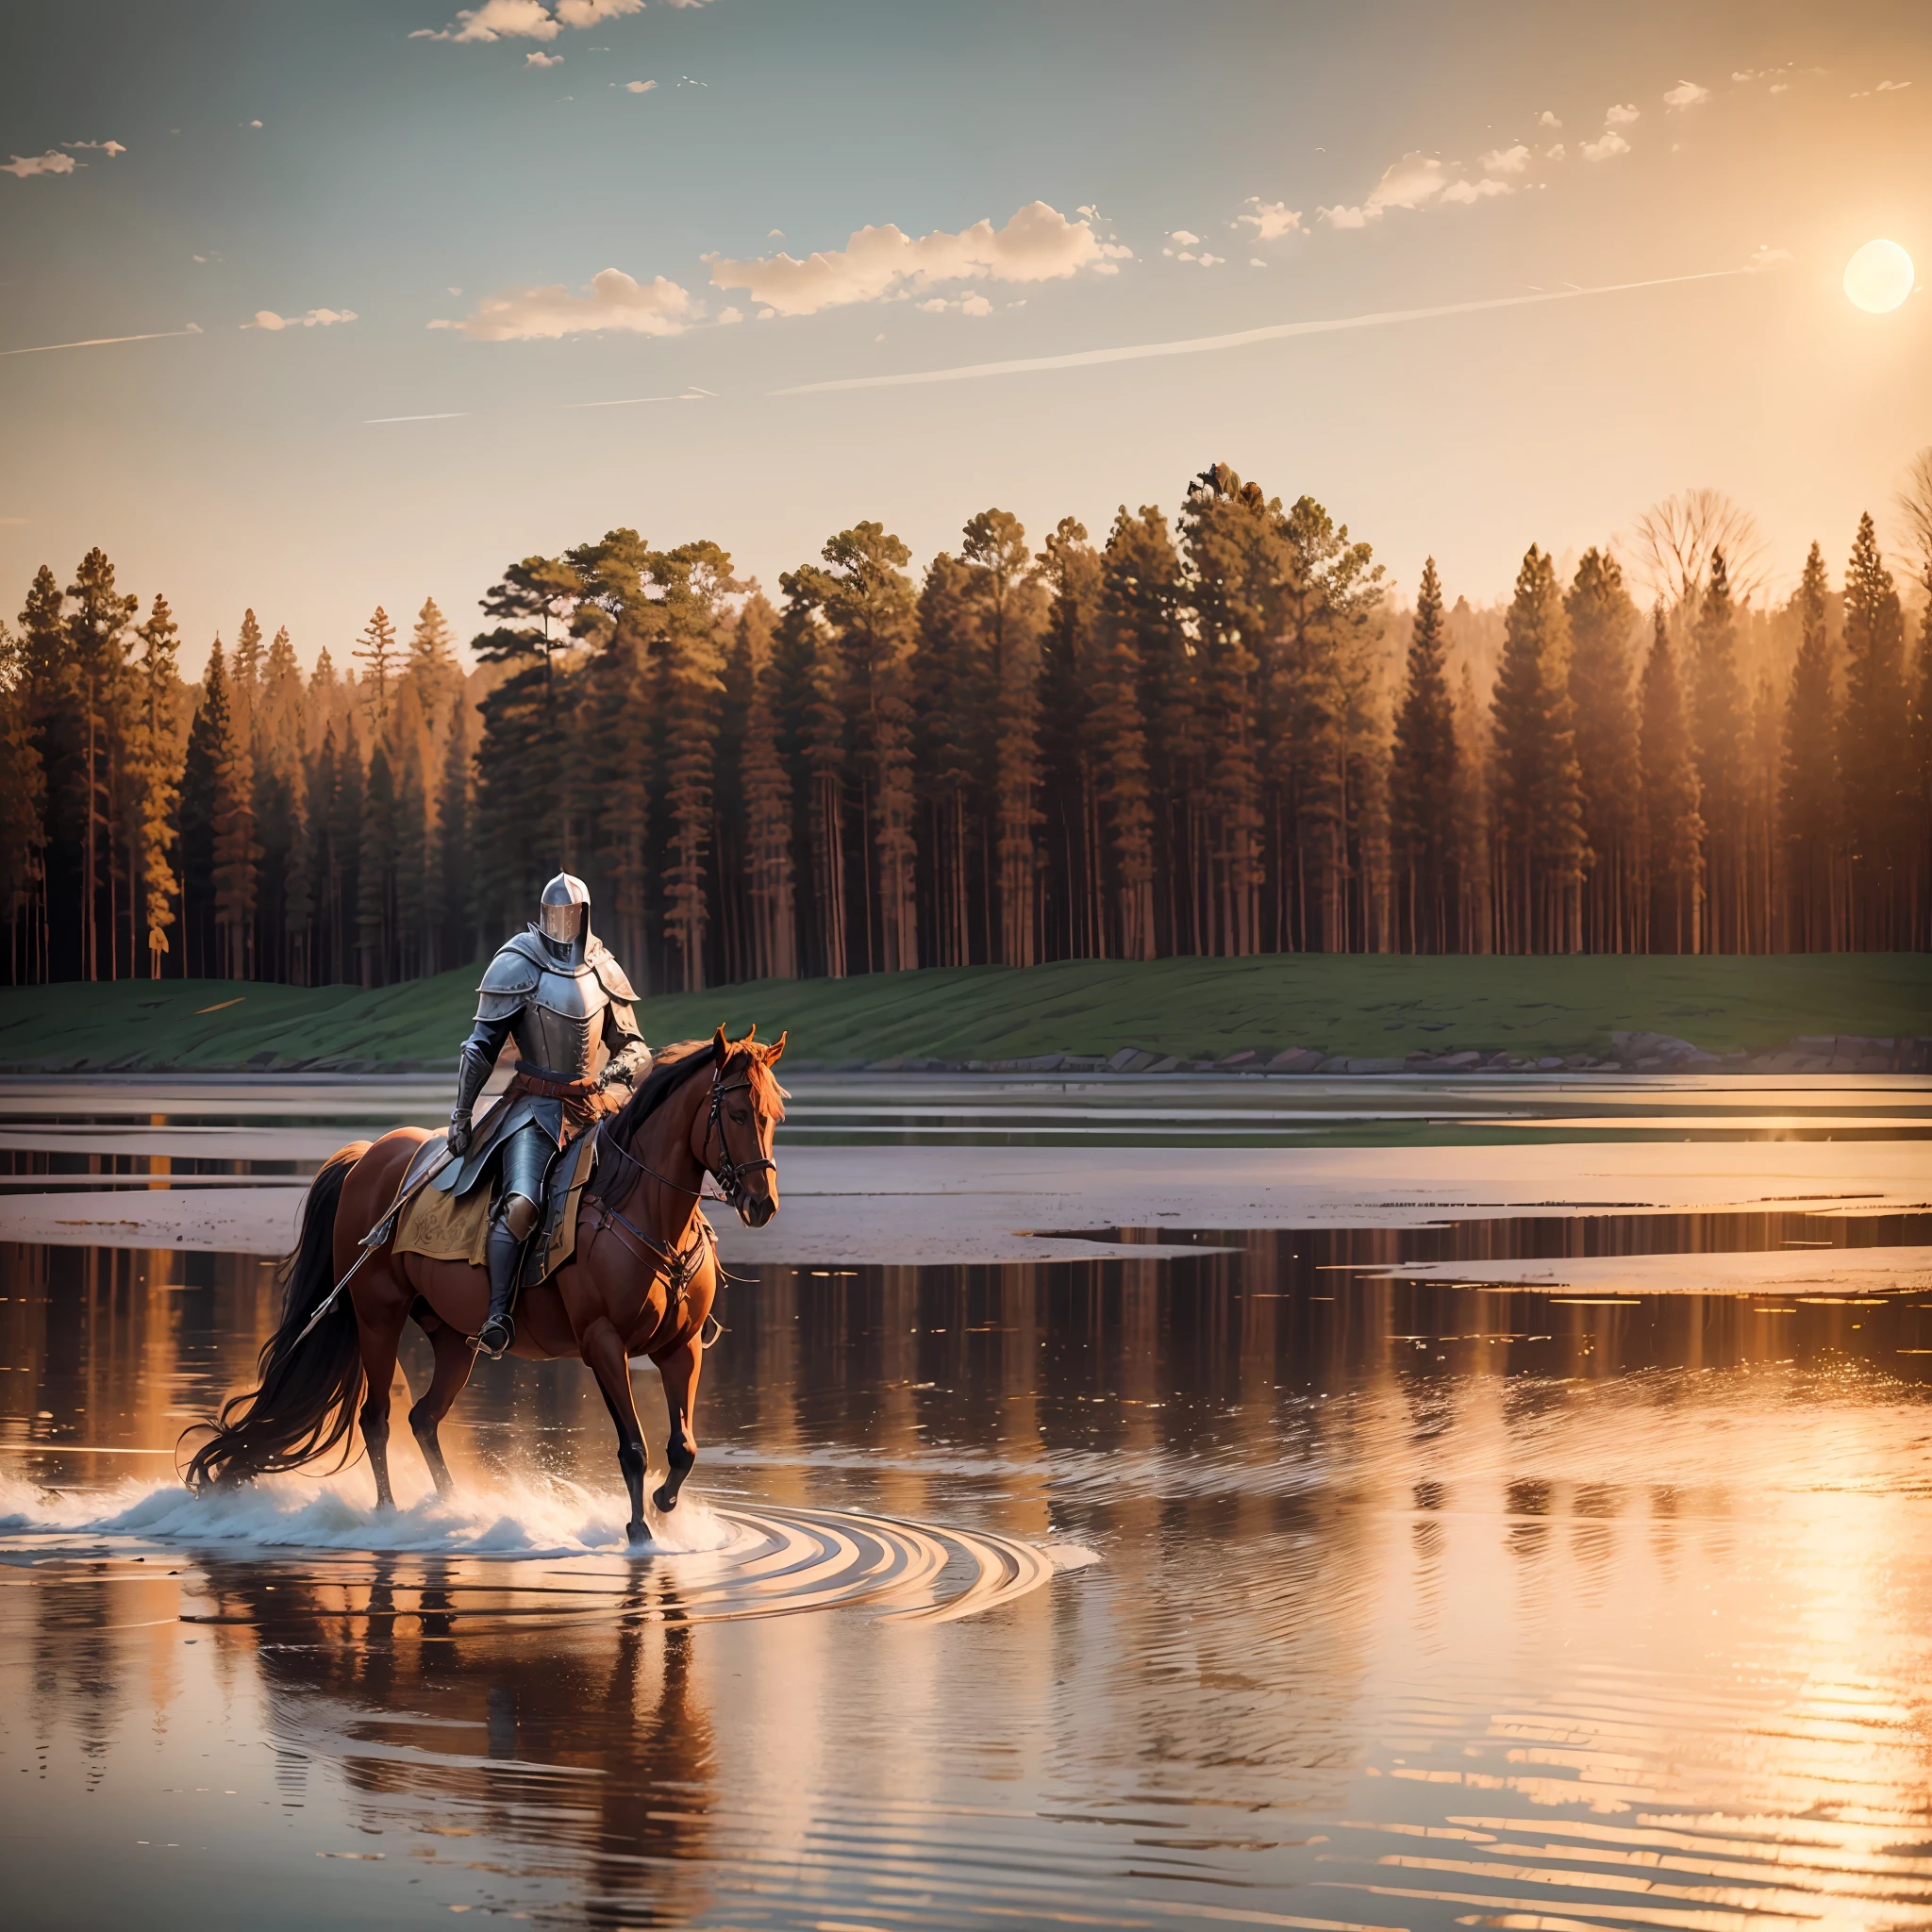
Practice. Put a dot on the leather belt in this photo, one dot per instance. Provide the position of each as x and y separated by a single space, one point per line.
550 1085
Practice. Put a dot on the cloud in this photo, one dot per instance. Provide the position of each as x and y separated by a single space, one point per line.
1686 94
527 20
537 58
1546 119
1506 160
1269 220
639 87
1555 152
1038 244
1884 87
613 301
727 316
1416 181
1763 256
1611 144
1412 182
315 318
51 162
255 123
976 303
1616 116
1186 239
1086 359
109 148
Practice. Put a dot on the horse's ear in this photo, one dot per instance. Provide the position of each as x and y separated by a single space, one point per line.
719 1050
751 1034
775 1051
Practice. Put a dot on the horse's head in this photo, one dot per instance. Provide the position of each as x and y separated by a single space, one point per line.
747 1104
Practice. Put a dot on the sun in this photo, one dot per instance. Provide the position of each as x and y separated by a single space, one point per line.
1879 276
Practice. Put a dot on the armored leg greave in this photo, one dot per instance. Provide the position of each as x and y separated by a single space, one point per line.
527 1156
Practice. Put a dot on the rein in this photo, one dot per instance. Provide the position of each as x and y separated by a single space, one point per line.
728 1173
681 1265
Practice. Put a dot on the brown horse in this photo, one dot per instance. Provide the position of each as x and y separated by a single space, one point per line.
640 1283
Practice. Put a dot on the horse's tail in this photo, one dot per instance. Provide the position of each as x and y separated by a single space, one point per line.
305 1402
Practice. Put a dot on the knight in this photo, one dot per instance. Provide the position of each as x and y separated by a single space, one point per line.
556 991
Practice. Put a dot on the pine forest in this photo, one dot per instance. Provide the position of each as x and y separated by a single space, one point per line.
1214 735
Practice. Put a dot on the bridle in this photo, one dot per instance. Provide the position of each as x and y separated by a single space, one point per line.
729 1174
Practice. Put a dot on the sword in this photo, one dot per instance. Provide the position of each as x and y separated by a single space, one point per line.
375 1239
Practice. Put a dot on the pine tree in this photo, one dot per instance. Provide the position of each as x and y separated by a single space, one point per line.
245 678
1323 727
1007 609
1423 783
410 944
344 834
1236 561
521 805
694 578
375 896
951 697
1718 720
1673 826
765 786
1073 902
97 633
432 667
47 678
235 854
1808 779
452 874
376 652
1875 748
23 801
1540 852
1602 619
867 602
814 735
152 759
1137 654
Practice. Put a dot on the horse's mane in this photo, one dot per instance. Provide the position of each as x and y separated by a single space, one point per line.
675 1064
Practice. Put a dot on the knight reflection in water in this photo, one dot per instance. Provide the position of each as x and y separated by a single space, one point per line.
555 989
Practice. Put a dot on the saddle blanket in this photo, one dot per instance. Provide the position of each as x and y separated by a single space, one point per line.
444 1227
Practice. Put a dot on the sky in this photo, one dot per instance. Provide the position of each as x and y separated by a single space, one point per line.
422 289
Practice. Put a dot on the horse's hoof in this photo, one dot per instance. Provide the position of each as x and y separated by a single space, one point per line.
666 1500
640 1534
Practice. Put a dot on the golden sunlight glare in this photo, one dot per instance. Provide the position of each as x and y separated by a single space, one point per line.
1879 276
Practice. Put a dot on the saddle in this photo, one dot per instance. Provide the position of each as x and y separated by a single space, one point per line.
445 1228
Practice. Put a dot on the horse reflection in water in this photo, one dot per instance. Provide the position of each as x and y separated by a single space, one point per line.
478 1715
640 1283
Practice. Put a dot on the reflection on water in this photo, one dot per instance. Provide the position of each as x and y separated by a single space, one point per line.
1418 1605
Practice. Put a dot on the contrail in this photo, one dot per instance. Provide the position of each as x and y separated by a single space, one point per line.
100 341
436 416
689 396
1196 345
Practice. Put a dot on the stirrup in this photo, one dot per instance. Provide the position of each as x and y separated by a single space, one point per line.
507 1326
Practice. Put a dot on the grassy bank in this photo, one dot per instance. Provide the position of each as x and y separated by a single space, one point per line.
1194 1007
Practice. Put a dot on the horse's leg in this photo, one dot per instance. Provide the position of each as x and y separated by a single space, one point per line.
455 1359
379 1334
603 1348
680 1370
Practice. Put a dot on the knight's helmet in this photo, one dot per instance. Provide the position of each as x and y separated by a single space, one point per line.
563 917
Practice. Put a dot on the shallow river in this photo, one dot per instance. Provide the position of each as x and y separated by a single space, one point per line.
1310 1599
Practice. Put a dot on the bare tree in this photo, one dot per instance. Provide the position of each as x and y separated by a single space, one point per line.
1915 511
1672 544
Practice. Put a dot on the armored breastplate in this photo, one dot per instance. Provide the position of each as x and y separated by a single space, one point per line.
560 1022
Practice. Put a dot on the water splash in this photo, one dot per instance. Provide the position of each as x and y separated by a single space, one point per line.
512 1519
